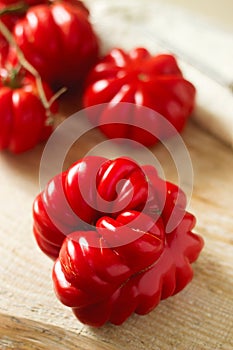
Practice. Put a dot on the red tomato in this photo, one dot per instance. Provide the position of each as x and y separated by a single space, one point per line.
10 19
58 40
115 257
139 78
22 114
17 10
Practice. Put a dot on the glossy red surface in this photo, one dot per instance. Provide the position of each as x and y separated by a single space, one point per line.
111 262
141 79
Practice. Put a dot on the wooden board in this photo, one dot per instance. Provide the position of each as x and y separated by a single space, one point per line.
200 317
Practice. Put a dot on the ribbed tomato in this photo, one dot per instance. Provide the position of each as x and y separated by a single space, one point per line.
59 41
106 223
23 118
139 79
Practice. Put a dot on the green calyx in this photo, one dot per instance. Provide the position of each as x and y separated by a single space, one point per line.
13 78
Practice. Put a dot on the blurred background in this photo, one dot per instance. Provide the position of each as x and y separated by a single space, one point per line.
198 32
219 11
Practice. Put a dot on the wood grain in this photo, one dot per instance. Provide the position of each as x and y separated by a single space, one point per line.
36 335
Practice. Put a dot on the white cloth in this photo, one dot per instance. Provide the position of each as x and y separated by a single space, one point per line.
204 51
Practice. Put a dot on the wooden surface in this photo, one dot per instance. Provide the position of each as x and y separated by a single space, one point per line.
200 317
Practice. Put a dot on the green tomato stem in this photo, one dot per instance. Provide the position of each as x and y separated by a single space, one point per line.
27 65
24 63
19 7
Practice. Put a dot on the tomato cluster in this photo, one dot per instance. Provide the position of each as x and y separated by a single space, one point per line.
109 238
58 42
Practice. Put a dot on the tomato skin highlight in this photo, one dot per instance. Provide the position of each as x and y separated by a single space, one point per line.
59 41
11 18
142 80
23 118
112 262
